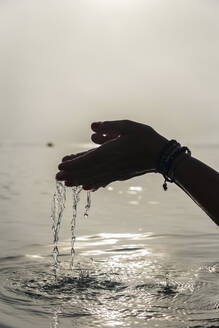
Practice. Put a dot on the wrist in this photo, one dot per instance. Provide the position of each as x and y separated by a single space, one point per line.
178 165
181 167
171 156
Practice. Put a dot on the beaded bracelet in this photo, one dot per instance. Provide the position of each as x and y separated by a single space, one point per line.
168 155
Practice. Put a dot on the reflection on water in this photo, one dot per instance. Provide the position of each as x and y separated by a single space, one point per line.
125 283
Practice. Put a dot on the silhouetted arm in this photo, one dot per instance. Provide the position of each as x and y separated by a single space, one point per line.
129 149
201 183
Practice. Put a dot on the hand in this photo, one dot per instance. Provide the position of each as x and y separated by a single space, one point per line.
128 149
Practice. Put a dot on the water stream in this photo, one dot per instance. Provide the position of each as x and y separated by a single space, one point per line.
58 206
57 209
76 198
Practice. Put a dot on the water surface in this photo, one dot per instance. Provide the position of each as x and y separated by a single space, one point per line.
144 257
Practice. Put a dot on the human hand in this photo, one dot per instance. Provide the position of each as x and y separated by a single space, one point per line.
128 149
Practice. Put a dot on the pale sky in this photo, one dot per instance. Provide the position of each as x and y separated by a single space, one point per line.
66 63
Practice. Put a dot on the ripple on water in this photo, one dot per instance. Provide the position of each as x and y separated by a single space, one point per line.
122 287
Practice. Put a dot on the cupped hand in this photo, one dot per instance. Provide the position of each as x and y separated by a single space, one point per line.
128 149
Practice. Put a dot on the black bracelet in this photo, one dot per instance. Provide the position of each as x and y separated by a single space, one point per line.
170 147
167 156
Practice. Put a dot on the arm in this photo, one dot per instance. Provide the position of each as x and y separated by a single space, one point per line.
201 183
129 149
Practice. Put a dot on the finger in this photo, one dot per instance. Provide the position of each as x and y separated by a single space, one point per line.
81 174
95 125
86 187
68 163
72 156
119 127
90 159
71 184
66 176
99 177
101 180
105 179
68 157
61 176
101 138
95 187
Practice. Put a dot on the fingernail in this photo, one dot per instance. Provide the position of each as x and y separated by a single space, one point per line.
95 125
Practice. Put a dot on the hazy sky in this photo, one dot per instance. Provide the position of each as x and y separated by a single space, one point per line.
66 63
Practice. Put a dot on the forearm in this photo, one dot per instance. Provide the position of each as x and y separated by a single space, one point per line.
201 183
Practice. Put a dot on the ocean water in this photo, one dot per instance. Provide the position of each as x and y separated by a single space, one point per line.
144 257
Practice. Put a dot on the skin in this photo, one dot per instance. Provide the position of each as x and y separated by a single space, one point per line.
128 149
201 183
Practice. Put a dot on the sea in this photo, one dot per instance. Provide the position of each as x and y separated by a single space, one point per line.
144 257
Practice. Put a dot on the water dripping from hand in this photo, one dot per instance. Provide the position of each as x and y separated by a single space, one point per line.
58 206
57 209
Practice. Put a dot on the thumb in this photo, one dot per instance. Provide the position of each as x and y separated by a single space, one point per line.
118 127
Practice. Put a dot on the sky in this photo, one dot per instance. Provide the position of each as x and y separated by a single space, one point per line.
64 64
